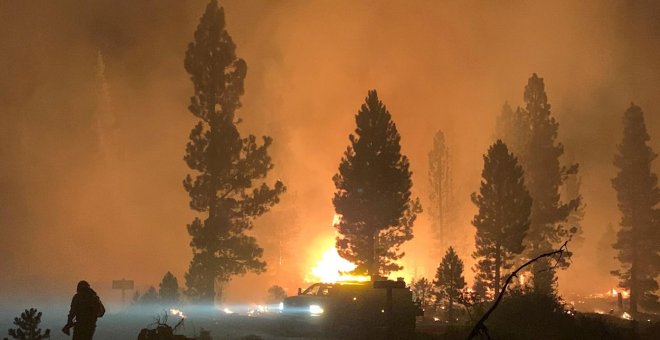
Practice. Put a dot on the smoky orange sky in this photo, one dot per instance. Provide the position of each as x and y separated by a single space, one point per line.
91 172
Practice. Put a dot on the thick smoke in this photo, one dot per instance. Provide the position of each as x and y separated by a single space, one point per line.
82 196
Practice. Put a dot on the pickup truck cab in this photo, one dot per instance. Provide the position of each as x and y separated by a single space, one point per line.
358 309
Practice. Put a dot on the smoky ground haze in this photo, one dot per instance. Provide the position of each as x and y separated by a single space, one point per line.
90 185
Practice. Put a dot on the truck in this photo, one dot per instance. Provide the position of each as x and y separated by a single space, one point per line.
374 309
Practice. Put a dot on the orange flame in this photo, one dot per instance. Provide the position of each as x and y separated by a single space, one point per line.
333 268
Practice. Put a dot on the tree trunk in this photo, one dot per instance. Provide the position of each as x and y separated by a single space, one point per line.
450 308
373 266
633 286
441 208
217 292
498 263
633 264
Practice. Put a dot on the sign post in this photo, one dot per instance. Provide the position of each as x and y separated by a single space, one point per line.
123 285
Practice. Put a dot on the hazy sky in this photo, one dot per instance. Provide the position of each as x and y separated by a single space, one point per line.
92 189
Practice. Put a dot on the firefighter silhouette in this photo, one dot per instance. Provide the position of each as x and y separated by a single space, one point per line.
86 307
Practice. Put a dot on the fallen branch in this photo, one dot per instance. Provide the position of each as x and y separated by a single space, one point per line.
480 327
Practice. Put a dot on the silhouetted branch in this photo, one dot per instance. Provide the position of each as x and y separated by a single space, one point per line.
480 327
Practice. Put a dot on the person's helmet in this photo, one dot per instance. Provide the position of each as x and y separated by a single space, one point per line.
82 285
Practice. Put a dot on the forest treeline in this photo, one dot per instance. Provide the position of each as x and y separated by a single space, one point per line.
528 201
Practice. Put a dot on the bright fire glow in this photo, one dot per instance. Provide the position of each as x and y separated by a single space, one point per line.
177 312
335 220
257 310
624 293
333 268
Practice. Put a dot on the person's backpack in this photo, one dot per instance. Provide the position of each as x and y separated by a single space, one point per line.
99 309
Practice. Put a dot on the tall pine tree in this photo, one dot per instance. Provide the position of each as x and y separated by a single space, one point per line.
503 218
227 186
531 132
443 206
638 239
449 280
373 193
545 176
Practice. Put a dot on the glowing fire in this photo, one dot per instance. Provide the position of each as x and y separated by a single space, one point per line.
335 220
624 293
333 268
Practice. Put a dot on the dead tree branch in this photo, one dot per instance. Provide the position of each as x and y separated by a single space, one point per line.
480 327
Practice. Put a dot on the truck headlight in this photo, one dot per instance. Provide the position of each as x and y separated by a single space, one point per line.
281 306
315 310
